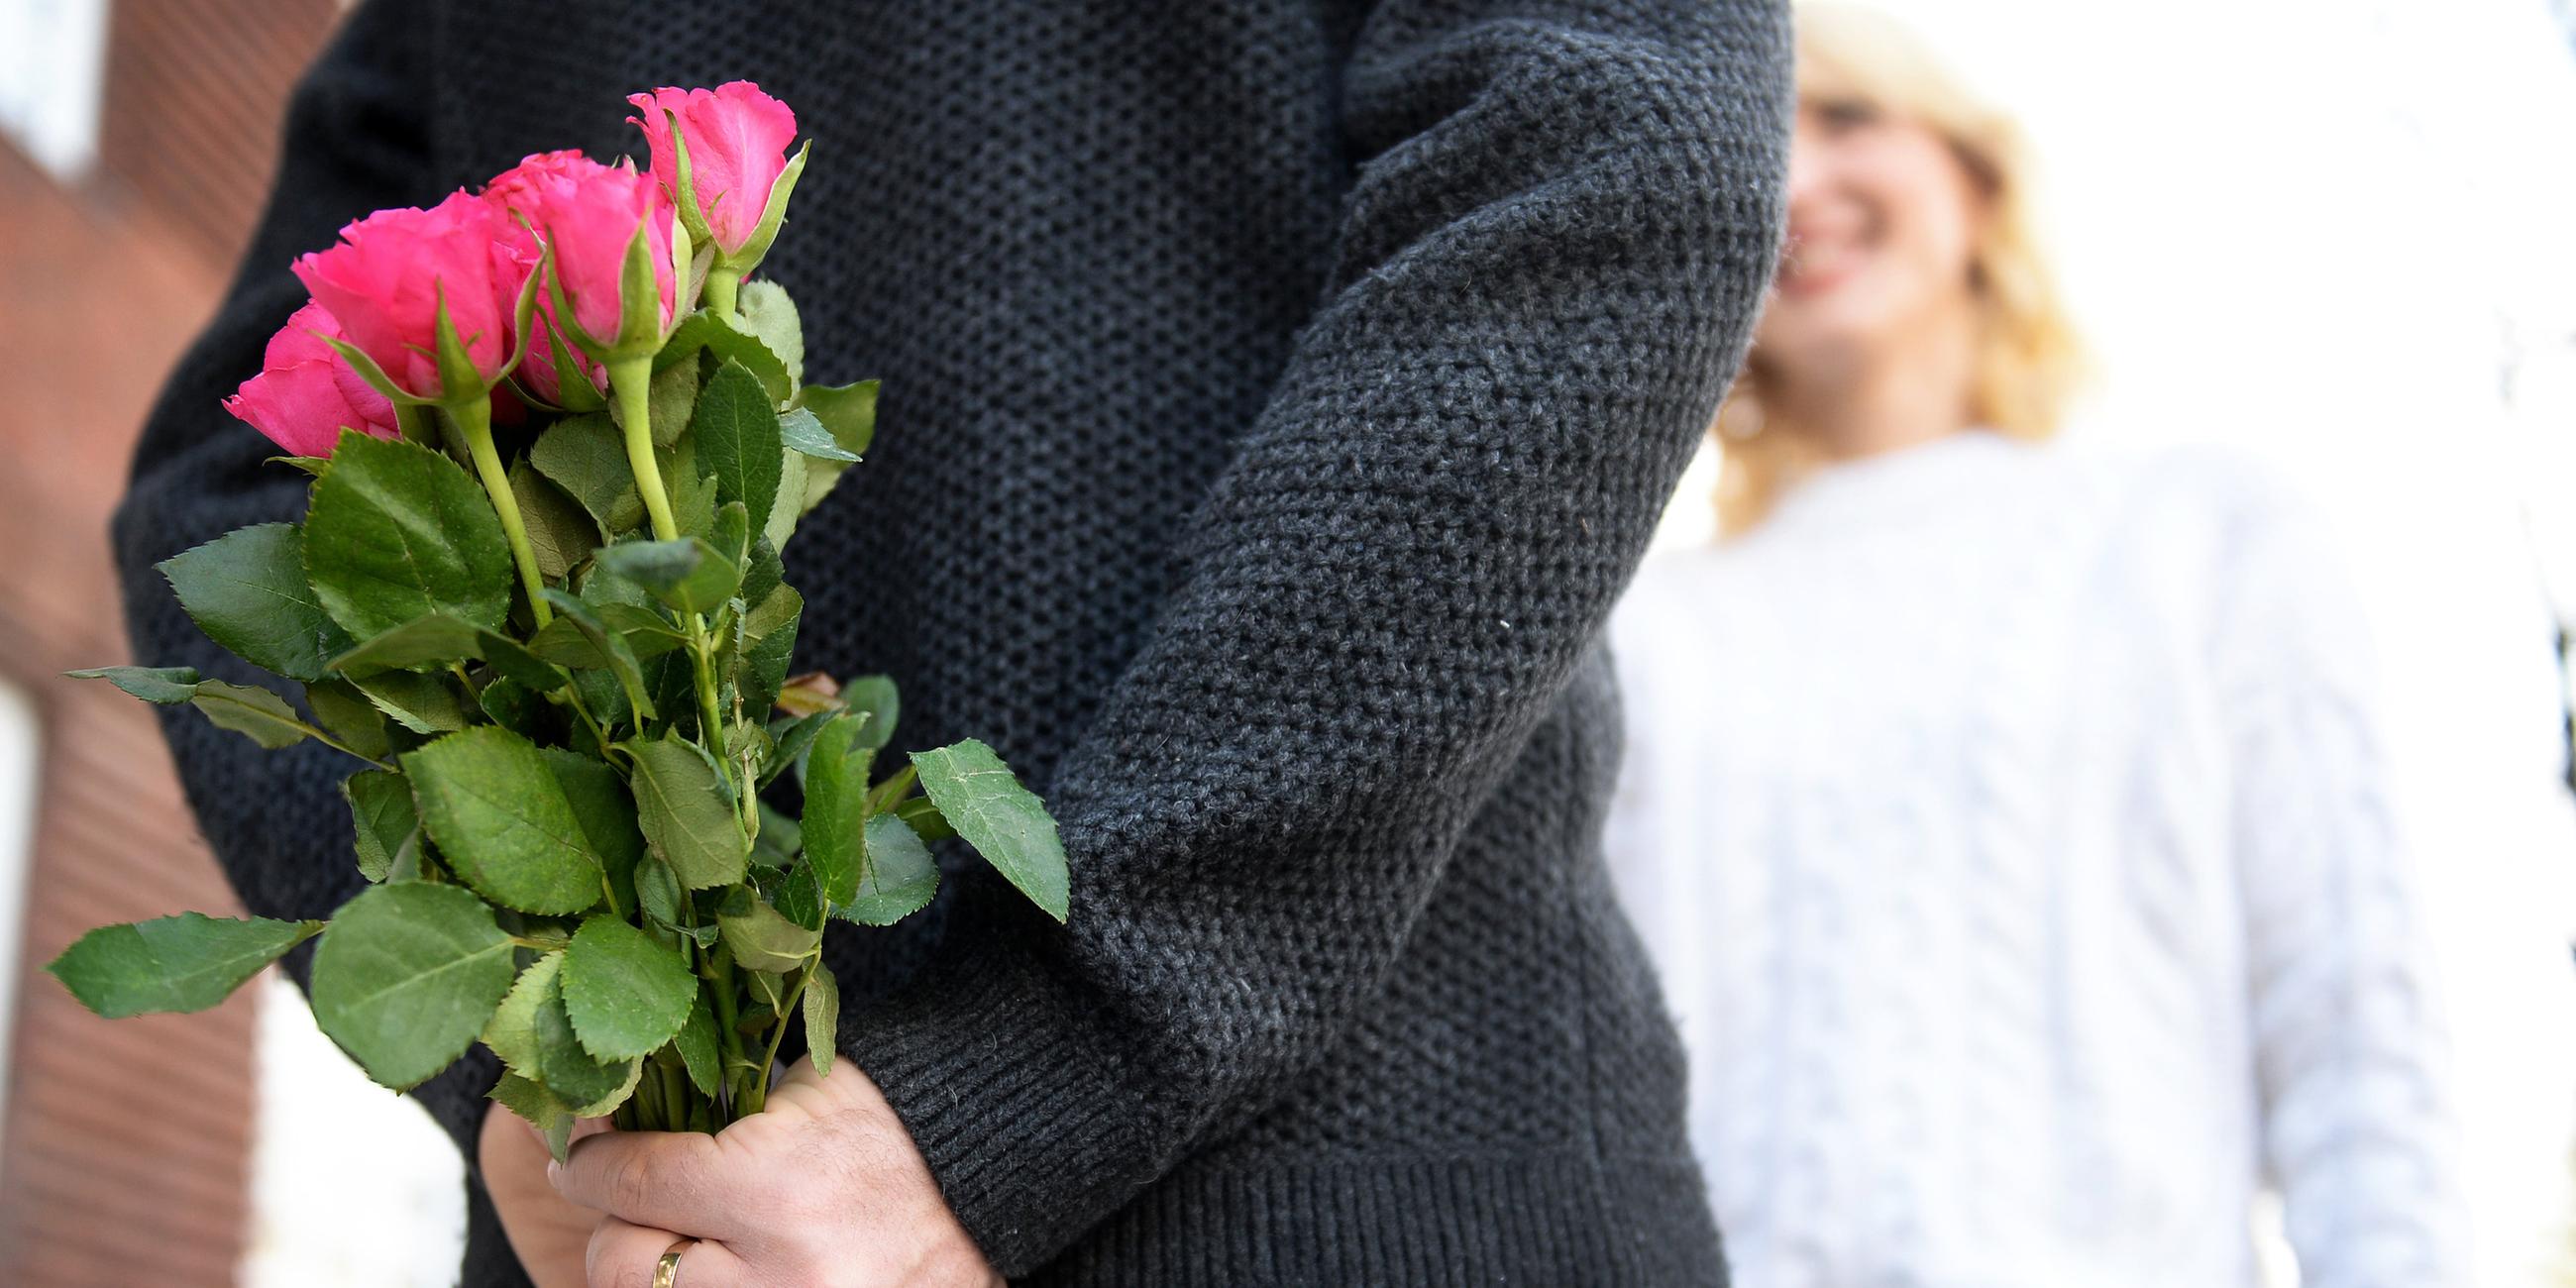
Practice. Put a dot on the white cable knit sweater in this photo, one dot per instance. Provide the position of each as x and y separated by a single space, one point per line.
2010 830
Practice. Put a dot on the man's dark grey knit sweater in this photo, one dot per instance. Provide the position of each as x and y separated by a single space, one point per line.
1277 394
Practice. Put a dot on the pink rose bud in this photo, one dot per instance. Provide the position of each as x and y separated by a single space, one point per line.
737 140
541 376
589 215
306 392
392 273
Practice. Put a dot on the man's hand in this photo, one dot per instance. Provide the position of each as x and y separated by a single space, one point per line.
549 1233
823 1188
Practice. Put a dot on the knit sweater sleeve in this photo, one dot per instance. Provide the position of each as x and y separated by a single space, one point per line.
1562 218
355 140
2349 1048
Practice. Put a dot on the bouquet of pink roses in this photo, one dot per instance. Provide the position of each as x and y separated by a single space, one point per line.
559 647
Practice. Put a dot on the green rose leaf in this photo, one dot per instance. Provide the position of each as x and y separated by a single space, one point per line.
551 1117
687 813
698 1048
875 696
502 822
836 808
690 574
626 994
736 431
901 876
669 400
763 938
769 314
773 626
512 1030
258 713
847 412
407 976
398 532
559 529
586 457
567 1068
247 592
183 963
802 430
513 661
606 812
705 331
348 716
922 815
657 893
578 638
792 735
1005 822
388 826
169 686
433 641
792 470
822 1015
426 704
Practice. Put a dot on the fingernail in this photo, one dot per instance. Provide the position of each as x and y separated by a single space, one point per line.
554 1172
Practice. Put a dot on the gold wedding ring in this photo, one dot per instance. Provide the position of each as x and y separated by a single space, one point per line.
667 1273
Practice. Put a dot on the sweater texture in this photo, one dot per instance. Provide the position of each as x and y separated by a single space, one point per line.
2012 829
1277 394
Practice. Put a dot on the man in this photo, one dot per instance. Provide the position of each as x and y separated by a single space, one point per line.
1276 397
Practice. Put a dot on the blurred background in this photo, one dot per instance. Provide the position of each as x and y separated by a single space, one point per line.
2337 234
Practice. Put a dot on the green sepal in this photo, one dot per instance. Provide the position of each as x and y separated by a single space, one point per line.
756 247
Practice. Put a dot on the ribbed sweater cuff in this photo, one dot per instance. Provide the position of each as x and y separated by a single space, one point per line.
1032 1125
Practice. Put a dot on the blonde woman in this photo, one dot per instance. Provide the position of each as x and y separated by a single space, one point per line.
2009 825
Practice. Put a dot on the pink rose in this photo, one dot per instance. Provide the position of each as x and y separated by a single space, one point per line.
386 278
306 392
588 214
737 139
514 189
515 192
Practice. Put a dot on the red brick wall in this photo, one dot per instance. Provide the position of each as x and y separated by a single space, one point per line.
126 1143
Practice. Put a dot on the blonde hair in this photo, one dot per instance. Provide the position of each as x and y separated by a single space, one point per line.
2028 358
